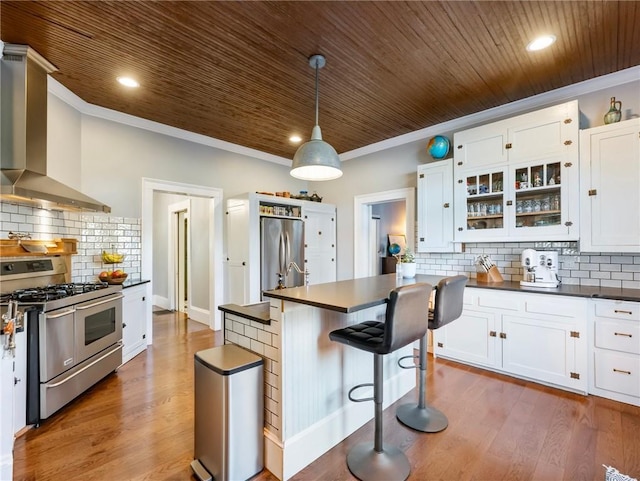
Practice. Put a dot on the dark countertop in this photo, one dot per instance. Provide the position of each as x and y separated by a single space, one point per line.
256 312
564 290
356 294
134 282
350 295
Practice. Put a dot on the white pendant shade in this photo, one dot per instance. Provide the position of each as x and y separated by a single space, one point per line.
316 160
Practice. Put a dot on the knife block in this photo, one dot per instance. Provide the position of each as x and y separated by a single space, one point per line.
493 276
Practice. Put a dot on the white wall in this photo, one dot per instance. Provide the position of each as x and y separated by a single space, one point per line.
115 157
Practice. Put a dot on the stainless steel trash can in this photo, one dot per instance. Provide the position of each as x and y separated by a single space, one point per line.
228 405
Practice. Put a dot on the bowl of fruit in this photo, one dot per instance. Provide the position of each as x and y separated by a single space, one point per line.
113 277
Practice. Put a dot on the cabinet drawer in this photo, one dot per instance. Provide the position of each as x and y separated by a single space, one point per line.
618 335
554 306
617 372
618 310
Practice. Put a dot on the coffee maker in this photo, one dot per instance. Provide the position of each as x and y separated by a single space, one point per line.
540 268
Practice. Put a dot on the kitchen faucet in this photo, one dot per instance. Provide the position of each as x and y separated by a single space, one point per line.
295 266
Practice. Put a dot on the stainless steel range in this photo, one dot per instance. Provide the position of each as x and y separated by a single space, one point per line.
74 330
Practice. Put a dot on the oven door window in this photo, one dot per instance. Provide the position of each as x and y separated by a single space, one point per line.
99 325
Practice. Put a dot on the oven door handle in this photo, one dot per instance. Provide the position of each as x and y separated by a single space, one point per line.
117 345
120 296
60 314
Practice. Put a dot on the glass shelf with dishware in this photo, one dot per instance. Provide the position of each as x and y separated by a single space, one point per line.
485 201
538 195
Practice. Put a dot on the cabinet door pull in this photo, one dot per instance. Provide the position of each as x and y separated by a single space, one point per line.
568 142
493 333
509 202
593 192
618 311
446 205
621 371
503 335
508 146
622 334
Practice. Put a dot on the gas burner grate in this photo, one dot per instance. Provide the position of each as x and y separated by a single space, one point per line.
52 292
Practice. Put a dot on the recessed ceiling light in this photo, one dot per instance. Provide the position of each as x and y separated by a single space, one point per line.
295 139
541 42
128 82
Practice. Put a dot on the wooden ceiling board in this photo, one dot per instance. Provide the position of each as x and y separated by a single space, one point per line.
238 71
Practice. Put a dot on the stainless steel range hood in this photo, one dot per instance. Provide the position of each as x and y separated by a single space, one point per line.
23 136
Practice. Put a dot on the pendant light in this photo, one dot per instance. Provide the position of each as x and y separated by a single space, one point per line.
316 160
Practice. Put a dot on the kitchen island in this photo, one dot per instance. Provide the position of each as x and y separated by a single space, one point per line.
307 377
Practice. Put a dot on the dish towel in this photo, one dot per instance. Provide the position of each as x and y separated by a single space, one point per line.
613 474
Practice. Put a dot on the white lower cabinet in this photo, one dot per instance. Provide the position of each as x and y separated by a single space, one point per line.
539 337
614 350
134 318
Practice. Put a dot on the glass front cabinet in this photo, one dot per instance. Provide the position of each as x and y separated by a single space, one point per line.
524 194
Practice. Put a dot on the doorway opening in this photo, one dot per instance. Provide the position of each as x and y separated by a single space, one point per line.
210 223
373 215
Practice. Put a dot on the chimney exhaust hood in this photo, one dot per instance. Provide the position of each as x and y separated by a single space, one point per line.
23 136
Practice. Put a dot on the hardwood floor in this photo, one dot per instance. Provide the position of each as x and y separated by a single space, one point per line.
138 425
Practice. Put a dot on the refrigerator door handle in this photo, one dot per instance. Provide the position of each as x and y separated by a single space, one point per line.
281 256
288 250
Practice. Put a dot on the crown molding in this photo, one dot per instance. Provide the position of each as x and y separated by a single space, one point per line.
560 95
56 88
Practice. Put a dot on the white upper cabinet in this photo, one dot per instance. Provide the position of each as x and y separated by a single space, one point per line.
517 179
435 207
610 188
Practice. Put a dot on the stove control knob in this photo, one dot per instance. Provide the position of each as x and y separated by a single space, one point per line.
8 267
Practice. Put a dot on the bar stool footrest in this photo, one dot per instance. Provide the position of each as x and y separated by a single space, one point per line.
360 400
365 463
413 366
425 419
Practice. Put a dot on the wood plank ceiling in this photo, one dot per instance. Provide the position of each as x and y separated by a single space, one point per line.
238 71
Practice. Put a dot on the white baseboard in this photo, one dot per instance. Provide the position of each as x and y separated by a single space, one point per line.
162 302
284 461
198 314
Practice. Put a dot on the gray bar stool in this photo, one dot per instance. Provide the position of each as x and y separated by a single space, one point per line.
405 322
447 308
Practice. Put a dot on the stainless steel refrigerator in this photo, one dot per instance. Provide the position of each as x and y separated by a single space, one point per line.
281 242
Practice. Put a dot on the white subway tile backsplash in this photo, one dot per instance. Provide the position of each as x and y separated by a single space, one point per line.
94 232
593 269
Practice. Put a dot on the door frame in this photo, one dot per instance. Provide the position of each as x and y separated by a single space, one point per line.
216 294
173 236
362 217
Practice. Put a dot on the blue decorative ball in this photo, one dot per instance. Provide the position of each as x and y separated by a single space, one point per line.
394 249
438 147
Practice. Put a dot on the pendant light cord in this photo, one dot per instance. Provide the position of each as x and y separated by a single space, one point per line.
317 61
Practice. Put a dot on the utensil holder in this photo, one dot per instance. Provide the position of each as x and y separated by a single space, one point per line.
490 277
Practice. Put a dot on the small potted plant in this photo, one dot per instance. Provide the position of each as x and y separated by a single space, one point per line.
408 264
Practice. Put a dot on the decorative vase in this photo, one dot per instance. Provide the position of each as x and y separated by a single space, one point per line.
615 112
408 270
